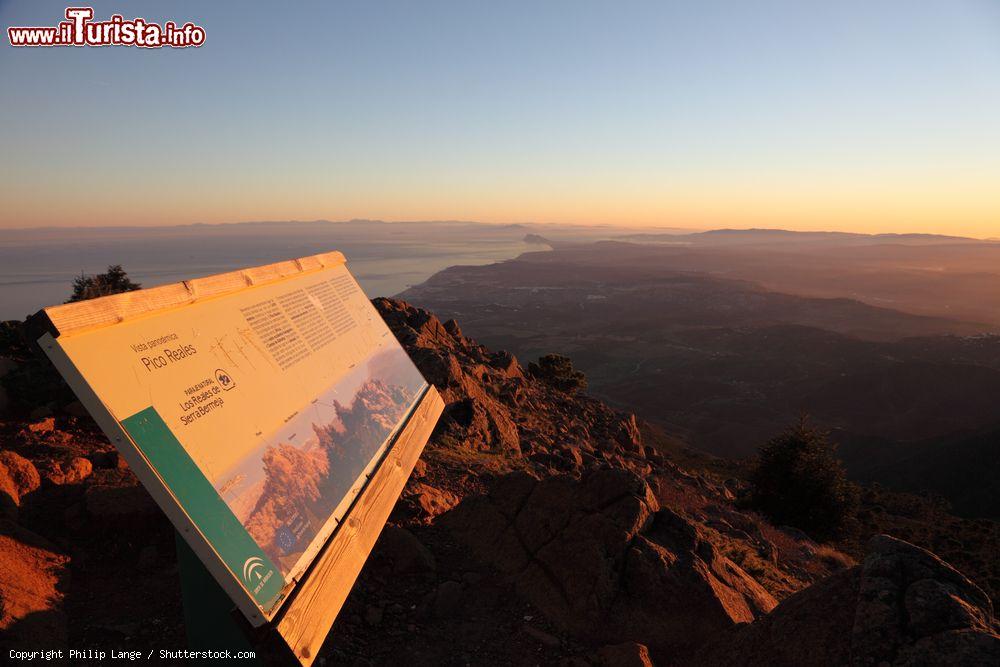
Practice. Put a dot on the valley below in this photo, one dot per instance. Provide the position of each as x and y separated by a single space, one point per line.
724 364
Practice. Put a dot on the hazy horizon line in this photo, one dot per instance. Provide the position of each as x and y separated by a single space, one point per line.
639 229
355 220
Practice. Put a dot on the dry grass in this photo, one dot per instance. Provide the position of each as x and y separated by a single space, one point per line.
835 559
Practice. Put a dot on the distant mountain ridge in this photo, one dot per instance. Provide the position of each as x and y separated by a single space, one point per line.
765 235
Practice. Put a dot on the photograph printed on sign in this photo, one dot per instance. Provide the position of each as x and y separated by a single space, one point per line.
287 491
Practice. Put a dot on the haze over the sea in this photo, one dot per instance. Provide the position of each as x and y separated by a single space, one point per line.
37 267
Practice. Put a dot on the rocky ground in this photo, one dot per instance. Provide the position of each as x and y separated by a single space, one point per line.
538 528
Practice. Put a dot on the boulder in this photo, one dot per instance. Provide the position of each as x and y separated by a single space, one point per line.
913 608
604 562
33 579
73 471
18 476
901 606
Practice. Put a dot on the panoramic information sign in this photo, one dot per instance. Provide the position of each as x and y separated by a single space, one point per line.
255 402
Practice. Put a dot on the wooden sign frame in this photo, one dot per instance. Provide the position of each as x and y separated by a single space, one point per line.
309 605
308 616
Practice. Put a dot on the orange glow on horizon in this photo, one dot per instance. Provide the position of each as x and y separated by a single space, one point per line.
966 208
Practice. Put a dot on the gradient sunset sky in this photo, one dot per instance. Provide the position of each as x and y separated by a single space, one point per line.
857 115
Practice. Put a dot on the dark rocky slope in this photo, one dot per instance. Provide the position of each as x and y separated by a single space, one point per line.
538 528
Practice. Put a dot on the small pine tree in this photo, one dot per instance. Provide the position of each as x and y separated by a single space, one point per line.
113 281
798 481
557 371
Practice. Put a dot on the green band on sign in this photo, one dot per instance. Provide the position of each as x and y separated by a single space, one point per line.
207 509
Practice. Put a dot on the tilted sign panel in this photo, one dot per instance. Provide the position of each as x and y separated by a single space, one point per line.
260 410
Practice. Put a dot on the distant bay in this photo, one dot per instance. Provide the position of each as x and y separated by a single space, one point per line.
37 267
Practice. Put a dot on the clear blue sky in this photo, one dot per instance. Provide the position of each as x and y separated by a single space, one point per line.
855 115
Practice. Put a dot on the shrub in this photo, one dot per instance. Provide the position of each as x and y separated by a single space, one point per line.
798 481
113 281
557 371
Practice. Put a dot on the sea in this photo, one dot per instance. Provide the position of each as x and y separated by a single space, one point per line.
37 267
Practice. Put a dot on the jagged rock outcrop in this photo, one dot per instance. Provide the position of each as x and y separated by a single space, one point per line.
902 606
486 427
493 407
601 559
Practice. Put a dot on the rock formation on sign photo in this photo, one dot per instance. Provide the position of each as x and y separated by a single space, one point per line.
303 485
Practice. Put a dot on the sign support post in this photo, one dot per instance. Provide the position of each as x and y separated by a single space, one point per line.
210 623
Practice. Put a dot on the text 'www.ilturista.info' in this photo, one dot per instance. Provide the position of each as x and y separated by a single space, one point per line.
79 29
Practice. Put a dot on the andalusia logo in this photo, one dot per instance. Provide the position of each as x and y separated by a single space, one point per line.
253 571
